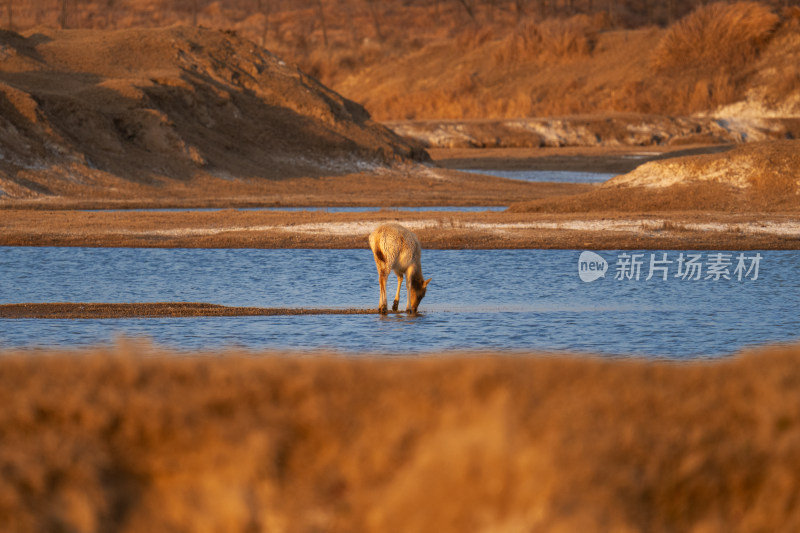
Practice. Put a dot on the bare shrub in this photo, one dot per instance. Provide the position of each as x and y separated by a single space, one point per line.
551 39
574 36
711 92
786 84
718 36
474 37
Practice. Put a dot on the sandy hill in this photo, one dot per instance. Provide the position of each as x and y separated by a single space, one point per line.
774 166
134 108
752 177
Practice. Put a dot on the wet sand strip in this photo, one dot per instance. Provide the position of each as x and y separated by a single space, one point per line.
158 310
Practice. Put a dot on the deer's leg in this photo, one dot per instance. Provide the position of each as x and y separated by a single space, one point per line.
383 274
382 278
408 290
396 302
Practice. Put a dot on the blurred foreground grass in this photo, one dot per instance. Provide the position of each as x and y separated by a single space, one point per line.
135 439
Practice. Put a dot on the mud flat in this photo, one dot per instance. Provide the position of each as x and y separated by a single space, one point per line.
402 185
145 440
156 310
743 197
444 230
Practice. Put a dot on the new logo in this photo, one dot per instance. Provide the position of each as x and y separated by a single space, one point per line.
591 266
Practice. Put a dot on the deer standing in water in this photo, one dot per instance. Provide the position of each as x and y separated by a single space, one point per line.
397 249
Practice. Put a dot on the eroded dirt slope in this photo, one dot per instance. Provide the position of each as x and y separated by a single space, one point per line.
121 111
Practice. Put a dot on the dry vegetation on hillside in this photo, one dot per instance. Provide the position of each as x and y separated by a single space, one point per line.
116 441
497 58
716 38
717 55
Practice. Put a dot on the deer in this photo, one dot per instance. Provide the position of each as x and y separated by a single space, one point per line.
397 249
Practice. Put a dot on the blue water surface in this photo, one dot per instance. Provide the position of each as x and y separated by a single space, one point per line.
555 176
478 299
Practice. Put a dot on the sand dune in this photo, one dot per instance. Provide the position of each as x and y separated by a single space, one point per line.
752 178
768 165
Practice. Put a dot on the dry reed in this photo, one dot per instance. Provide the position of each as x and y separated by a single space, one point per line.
133 440
716 37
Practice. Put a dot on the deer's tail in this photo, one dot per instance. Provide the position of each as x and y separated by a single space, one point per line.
375 244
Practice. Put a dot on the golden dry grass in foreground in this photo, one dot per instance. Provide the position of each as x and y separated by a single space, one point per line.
113 440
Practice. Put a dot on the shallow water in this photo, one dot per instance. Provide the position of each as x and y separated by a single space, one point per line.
478 299
558 176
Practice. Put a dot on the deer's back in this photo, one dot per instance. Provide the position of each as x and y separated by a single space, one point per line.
395 245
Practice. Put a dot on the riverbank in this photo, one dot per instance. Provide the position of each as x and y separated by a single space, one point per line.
264 213
232 228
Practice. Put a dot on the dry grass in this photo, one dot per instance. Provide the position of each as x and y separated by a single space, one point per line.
560 62
117 440
505 59
717 37
552 40
711 51
584 64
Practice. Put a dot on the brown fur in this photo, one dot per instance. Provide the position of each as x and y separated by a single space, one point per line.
417 282
397 249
